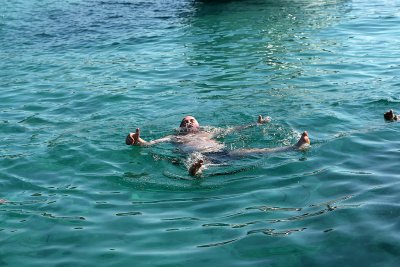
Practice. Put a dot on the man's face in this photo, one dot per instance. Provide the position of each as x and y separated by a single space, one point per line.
189 124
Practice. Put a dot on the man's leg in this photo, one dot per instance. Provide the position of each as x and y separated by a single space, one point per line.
300 145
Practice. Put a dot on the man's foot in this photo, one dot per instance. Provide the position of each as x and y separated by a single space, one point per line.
303 141
196 167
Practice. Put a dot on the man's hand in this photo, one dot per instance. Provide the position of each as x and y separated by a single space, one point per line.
134 139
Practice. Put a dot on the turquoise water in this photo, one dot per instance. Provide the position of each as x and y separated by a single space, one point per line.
76 76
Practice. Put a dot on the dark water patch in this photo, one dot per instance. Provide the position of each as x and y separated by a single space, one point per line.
13 127
35 120
67 218
170 201
126 3
273 232
273 209
217 244
130 213
182 219
139 40
43 35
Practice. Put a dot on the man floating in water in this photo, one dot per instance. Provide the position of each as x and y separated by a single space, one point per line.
390 116
192 139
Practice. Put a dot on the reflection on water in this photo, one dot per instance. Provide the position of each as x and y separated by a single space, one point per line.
258 226
277 42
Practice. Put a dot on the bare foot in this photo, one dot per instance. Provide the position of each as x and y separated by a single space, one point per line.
304 140
195 168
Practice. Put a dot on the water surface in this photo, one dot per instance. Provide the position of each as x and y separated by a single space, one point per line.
77 76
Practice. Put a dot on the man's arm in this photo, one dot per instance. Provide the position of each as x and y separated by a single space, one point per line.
135 140
260 120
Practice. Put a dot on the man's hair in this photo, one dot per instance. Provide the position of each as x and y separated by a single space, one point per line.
388 115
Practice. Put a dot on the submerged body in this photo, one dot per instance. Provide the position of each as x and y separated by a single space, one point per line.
191 140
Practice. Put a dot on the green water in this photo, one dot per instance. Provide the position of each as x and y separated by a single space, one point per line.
76 76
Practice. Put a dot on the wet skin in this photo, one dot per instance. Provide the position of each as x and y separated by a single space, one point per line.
192 139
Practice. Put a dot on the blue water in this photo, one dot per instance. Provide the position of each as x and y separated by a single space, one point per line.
76 76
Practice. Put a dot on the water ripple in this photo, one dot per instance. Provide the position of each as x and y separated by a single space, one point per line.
76 76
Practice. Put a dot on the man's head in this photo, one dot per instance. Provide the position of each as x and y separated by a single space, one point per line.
389 115
189 124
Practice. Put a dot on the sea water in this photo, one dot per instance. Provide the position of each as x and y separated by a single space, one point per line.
76 76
